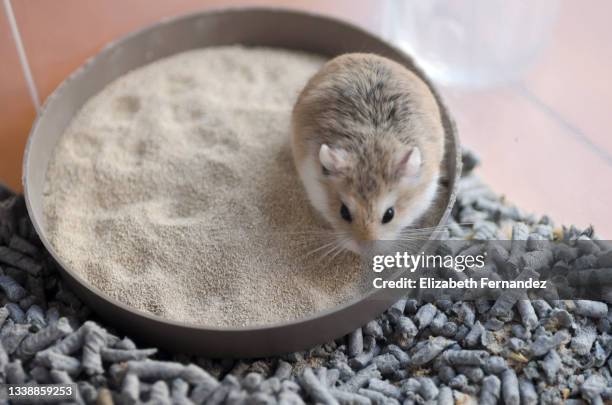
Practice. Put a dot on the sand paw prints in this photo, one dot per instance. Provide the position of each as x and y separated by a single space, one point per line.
189 209
219 174
137 151
129 153
113 190
211 137
85 147
262 125
126 106
183 205
109 200
180 83
190 111
110 230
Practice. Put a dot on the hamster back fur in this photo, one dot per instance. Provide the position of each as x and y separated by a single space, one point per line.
368 144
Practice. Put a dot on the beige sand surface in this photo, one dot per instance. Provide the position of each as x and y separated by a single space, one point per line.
173 191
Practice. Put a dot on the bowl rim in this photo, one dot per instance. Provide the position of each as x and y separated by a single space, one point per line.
148 28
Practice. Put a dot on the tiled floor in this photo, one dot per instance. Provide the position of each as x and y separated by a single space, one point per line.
543 141
533 159
561 159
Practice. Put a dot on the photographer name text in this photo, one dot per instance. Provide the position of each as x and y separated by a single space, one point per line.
468 283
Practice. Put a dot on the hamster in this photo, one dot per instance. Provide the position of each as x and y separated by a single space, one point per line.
368 143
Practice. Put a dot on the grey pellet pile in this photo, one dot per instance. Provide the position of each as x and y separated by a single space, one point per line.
511 350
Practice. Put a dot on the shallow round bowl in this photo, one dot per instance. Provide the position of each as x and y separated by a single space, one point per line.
256 27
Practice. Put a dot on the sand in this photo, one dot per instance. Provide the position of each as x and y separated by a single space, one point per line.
173 191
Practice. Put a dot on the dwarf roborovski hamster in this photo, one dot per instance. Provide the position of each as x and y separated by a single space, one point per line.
368 144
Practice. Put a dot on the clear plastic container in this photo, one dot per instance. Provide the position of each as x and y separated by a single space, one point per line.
470 43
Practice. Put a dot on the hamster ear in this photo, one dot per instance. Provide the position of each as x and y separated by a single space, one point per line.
409 161
333 160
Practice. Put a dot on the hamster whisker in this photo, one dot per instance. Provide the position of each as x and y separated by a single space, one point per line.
340 251
338 247
324 246
323 239
309 240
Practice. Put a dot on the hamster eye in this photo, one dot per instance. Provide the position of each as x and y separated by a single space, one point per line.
388 216
345 214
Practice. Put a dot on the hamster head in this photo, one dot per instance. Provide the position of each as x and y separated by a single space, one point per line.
373 191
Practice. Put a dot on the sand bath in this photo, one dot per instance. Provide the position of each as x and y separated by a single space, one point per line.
174 191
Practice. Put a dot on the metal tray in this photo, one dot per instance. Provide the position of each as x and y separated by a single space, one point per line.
253 26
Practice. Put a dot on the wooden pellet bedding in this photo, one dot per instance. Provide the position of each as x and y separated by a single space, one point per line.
438 352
